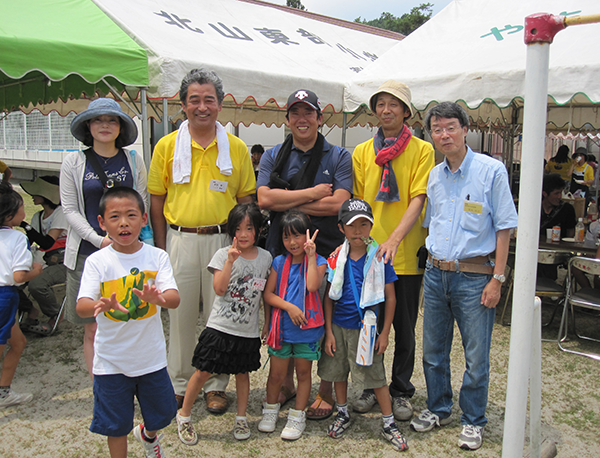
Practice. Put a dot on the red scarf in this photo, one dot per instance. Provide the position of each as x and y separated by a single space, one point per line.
312 304
387 149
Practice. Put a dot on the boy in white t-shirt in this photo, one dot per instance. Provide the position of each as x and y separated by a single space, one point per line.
123 285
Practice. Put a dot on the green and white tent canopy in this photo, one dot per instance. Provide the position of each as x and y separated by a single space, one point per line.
51 51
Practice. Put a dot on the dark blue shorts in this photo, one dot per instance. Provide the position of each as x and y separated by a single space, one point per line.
113 402
9 303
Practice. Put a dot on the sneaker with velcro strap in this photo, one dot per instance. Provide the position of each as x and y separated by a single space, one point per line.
152 449
339 426
393 435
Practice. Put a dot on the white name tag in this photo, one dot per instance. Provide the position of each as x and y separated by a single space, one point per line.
258 284
219 186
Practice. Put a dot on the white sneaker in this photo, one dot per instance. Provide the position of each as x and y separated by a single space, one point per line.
152 449
402 408
427 420
269 419
186 432
295 425
366 402
471 437
15 398
241 431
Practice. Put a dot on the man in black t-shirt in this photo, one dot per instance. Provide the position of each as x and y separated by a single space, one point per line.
555 212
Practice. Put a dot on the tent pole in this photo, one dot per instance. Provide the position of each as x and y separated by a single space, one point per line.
344 127
165 117
145 133
539 32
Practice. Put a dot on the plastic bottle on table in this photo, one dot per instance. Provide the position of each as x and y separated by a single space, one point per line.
580 231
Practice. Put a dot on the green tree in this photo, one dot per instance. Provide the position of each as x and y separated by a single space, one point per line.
296 4
404 24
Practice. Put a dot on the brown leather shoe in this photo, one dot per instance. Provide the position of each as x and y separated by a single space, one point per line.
216 402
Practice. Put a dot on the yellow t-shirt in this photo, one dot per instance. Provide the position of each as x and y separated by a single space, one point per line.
586 170
194 204
412 169
562 168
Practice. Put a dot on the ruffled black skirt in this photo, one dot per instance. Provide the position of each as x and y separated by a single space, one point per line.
221 353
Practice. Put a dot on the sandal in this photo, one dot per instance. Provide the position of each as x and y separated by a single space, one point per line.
311 412
287 394
28 322
41 329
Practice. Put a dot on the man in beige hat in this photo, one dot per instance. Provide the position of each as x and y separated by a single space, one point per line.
390 173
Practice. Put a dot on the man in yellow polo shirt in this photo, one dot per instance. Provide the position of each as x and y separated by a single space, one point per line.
197 175
390 173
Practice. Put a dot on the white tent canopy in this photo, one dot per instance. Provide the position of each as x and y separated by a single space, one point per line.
472 52
261 52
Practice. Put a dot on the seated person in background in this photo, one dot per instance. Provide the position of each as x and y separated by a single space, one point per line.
48 230
5 171
555 212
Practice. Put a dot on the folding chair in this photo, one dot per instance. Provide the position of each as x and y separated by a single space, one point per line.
544 287
588 298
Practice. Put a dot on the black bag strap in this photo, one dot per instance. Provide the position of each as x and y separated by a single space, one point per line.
95 163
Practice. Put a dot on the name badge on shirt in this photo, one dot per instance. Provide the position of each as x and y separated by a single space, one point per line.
473 207
258 284
219 186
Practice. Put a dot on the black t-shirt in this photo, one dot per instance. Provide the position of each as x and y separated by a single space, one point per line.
563 216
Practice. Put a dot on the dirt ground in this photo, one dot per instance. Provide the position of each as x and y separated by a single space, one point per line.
56 422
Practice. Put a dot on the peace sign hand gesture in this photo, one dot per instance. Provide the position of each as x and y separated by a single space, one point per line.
309 246
233 253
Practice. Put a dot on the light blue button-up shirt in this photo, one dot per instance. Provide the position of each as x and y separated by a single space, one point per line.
466 208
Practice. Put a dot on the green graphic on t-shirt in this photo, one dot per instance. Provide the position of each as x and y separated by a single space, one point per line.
136 307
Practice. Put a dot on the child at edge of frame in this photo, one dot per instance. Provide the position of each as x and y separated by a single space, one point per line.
123 285
358 284
16 267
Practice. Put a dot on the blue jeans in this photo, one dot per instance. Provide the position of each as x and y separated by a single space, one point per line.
456 296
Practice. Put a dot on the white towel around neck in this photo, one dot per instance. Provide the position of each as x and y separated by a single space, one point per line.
182 157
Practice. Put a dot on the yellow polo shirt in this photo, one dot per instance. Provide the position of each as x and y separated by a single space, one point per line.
194 204
412 169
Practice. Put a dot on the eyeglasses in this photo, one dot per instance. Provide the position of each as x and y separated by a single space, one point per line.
450 130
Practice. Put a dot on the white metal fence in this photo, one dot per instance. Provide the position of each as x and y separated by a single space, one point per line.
36 141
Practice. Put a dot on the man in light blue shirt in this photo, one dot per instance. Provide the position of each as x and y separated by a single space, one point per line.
470 212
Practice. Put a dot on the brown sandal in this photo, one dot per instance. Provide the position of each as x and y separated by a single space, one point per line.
287 393
311 412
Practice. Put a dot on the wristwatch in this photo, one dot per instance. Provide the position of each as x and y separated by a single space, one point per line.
500 277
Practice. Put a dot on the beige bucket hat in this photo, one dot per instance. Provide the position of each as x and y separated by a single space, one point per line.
395 88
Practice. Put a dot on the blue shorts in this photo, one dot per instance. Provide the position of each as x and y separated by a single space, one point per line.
113 402
9 303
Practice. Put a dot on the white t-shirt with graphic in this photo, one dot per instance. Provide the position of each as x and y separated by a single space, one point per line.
236 312
130 344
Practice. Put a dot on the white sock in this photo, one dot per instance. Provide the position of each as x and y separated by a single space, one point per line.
184 419
241 418
388 420
343 408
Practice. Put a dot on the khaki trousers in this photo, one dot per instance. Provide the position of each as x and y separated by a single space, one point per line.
190 254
